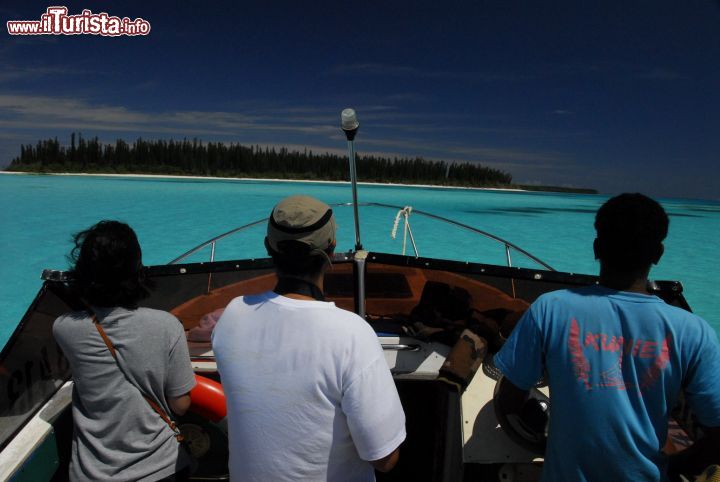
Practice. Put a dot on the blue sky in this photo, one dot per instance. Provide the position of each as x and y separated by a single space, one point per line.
618 96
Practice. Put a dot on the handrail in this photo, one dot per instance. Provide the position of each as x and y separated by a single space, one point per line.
215 239
507 244
465 226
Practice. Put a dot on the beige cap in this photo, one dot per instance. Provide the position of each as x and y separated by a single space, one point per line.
304 219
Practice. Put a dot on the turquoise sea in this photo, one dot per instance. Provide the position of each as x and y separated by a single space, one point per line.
39 213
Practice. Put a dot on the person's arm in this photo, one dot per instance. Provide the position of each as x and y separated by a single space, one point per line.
521 359
179 405
375 416
180 375
386 463
703 453
510 398
702 394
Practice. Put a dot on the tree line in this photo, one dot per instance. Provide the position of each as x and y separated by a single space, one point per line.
195 157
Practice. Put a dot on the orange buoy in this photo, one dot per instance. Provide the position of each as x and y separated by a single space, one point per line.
208 399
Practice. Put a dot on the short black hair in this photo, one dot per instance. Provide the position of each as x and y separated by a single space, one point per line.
297 258
107 266
630 230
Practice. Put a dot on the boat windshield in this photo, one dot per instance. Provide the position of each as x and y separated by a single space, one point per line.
32 367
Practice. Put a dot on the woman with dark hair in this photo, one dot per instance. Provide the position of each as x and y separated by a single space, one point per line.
124 359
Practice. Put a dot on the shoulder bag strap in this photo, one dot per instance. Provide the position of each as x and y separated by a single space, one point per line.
153 404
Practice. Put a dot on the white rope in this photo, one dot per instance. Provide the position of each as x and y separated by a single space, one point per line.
403 213
395 226
405 231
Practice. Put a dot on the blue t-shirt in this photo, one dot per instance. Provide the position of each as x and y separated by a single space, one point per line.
616 362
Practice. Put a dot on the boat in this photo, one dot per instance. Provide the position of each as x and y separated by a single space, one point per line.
416 305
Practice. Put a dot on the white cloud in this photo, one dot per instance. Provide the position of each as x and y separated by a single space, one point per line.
11 73
23 114
29 111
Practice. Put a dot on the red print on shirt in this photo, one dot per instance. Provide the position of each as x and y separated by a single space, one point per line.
580 363
618 347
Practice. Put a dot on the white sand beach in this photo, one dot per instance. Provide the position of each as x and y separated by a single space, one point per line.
169 176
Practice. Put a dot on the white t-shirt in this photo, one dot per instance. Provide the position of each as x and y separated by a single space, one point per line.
309 394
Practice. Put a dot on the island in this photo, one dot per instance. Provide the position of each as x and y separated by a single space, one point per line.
216 159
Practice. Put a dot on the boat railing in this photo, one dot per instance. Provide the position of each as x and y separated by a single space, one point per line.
508 246
212 242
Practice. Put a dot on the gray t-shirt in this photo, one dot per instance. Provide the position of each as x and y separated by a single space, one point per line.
117 435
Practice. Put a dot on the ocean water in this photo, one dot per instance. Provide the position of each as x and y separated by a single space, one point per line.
39 214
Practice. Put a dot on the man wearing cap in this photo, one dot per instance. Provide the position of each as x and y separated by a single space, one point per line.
309 394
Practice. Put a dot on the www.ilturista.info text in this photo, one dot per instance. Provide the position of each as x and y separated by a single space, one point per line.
56 21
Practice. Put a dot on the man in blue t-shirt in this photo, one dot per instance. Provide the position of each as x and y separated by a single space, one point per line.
617 358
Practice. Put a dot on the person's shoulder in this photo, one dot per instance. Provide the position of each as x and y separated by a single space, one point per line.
680 314
250 300
577 293
160 319
70 319
72 316
686 322
332 321
155 314
347 318
353 328
569 294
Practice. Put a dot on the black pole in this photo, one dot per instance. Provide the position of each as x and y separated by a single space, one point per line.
350 126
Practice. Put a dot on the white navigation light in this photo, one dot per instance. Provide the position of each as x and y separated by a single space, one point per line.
350 124
349 120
